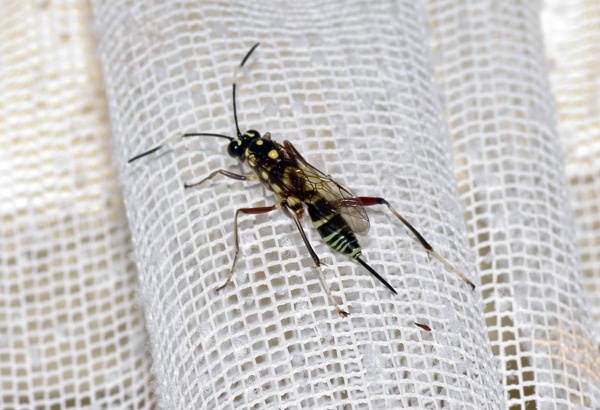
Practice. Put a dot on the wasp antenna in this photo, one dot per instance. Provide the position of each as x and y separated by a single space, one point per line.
377 275
195 134
248 55
237 127
207 134
144 154
153 150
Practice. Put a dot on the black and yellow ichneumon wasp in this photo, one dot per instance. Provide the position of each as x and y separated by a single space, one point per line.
335 211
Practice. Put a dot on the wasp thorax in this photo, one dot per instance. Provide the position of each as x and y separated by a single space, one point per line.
251 134
237 147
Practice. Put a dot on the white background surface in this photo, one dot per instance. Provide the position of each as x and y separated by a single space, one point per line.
450 110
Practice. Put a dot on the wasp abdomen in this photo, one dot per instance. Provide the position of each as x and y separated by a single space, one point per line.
333 228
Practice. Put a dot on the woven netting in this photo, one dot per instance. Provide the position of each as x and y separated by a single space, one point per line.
573 47
442 107
71 332
511 175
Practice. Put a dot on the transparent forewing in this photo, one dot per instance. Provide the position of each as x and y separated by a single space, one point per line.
341 198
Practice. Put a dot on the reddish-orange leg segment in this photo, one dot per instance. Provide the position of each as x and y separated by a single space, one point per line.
370 201
249 211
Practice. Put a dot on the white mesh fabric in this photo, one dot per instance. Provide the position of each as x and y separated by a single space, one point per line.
509 164
573 42
350 85
71 335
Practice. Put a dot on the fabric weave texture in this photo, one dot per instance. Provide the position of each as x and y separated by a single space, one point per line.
478 121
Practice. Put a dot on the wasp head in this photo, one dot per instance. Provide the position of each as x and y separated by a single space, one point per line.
237 147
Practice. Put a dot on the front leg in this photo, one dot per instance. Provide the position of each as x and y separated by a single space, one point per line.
228 174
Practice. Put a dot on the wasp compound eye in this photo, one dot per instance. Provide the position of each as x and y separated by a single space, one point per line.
235 149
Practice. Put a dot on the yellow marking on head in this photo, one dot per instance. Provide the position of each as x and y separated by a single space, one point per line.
259 142
238 141
273 154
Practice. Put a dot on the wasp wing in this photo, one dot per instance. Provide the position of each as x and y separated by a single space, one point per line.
339 197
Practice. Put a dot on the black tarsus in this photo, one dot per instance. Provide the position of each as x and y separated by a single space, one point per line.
237 127
377 275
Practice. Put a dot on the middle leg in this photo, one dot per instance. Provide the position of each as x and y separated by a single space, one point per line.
317 262
250 211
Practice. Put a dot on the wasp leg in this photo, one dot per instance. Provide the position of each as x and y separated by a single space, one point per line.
249 211
317 261
369 201
223 172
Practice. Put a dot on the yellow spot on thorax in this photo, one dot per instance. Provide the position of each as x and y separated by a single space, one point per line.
259 142
292 201
273 154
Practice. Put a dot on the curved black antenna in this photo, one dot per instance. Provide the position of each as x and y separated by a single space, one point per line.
203 134
206 134
237 127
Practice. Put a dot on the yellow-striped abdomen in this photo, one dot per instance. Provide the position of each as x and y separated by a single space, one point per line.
333 228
